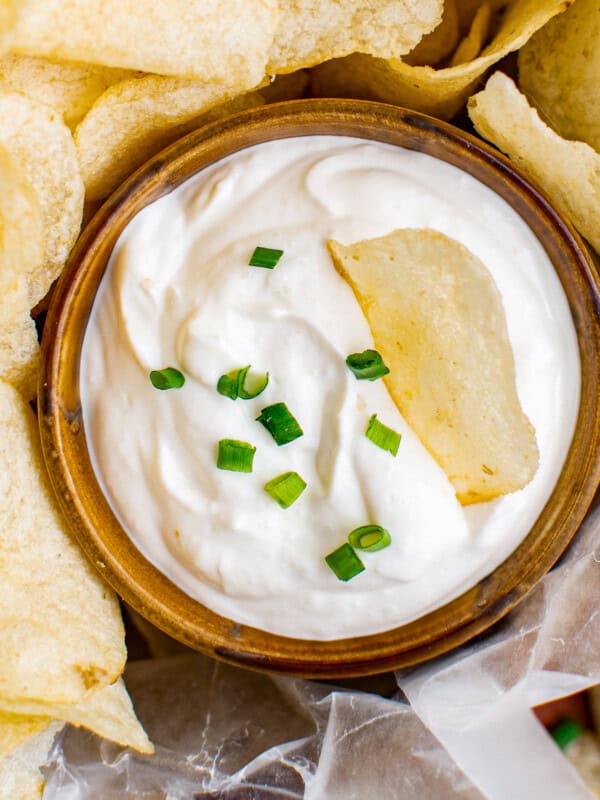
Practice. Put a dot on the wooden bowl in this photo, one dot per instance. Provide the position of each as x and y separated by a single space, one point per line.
88 512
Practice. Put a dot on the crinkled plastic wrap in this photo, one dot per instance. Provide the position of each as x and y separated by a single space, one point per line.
469 732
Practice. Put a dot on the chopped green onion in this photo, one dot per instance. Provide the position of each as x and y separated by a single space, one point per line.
227 385
382 436
168 378
281 423
235 456
237 384
285 489
566 731
344 562
367 366
369 538
265 257
249 389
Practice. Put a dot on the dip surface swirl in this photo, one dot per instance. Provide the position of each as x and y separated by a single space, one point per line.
179 292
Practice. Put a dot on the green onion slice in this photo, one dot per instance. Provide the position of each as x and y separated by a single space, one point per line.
382 436
367 366
167 378
239 384
369 538
235 456
265 257
227 385
285 489
344 563
281 423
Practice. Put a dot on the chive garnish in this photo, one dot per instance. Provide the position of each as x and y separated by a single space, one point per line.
237 384
227 385
382 436
235 456
167 378
265 257
281 423
285 489
369 538
344 562
367 366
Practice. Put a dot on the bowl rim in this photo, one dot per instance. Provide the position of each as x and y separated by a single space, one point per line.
87 511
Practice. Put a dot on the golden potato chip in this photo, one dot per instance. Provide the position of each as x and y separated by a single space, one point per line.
16 729
107 712
437 319
69 88
219 41
569 171
21 251
559 71
440 42
312 31
466 10
60 625
42 146
20 776
440 92
135 119
471 45
9 15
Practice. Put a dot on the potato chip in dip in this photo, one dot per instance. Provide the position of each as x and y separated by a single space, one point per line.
236 406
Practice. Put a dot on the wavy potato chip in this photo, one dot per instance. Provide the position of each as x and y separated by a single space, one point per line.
224 41
20 776
437 319
42 146
21 252
438 44
135 119
60 625
69 88
569 171
312 31
439 92
559 71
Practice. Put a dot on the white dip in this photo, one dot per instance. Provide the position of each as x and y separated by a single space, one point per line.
179 292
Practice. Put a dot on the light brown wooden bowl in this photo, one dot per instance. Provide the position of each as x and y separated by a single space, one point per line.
88 512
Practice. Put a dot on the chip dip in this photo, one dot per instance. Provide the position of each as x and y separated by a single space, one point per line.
179 292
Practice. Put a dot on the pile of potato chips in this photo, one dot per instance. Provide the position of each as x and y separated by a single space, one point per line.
89 89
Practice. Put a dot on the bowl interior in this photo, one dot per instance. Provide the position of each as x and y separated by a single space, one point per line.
89 513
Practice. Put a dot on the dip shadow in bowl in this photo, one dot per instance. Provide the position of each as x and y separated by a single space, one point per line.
89 513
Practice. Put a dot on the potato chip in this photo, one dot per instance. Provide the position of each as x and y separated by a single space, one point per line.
471 45
559 71
69 88
568 171
135 119
437 319
21 251
42 146
17 728
20 776
9 15
60 625
438 44
466 10
440 92
312 31
107 712
219 41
